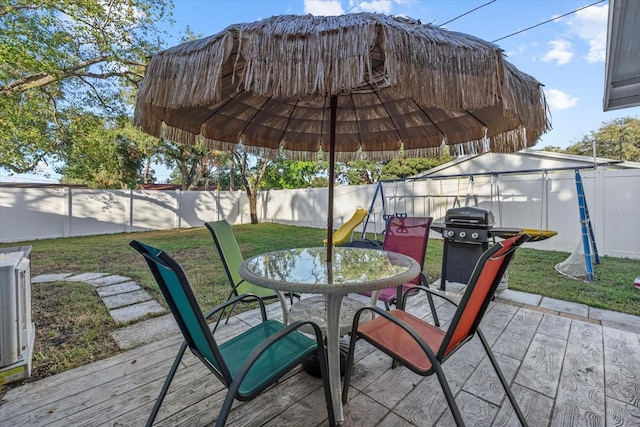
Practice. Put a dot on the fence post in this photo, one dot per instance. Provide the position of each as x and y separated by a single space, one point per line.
130 219
178 208
218 205
599 207
68 211
240 207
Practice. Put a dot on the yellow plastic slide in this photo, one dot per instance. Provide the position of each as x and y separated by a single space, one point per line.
344 232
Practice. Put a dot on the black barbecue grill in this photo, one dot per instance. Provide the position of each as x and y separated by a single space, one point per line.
467 232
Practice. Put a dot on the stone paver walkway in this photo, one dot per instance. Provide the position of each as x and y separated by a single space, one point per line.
133 310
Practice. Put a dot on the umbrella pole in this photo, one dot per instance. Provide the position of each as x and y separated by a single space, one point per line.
333 105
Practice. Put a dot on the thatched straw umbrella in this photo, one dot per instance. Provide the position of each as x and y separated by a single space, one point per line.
359 84
344 85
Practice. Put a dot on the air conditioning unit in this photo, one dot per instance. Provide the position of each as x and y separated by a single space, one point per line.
17 332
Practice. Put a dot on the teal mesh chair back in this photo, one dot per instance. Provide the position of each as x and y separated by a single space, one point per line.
182 302
231 257
248 363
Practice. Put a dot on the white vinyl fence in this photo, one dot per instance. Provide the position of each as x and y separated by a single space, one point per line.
537 200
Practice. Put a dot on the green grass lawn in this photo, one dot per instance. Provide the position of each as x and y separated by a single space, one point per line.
73 326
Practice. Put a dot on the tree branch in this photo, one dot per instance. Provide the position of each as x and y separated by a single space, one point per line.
5 10
41 79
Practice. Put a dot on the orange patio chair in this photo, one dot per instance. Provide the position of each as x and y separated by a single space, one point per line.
422 347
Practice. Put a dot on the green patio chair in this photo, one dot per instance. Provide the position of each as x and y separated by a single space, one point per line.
231 258
248 363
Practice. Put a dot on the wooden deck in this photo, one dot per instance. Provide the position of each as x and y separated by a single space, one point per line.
565 372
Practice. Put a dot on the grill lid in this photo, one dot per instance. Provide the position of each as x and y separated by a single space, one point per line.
469 216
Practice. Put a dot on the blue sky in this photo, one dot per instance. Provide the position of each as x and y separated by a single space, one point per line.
566 55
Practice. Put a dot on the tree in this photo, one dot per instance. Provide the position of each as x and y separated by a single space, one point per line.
59 55
283 173
194 164
358 172
102 153
408 167
27 131
553 149
252 169
617 139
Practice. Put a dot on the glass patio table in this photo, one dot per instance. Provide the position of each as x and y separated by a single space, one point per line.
306 270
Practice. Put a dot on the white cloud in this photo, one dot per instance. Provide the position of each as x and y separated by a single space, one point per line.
334 7
375 6
590 25
519 50
561 52
323 7
559 100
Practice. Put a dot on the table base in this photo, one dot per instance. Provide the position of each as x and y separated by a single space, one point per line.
314 309
312 367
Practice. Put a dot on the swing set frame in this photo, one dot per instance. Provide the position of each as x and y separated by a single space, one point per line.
587 234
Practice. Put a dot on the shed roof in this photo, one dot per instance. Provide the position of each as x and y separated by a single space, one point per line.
521 162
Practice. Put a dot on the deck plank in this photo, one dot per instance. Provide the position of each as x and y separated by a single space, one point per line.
394 420
555 326
622 365
580 399
541 367
515 339
391 387
425 404
56 397
485 383
622 414
537 408
276 403
496 320
362 410
474 411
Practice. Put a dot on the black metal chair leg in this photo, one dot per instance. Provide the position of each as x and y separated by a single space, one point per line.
230 313
503 380
167 383
448 394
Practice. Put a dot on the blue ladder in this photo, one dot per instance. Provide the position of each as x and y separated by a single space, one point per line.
588 238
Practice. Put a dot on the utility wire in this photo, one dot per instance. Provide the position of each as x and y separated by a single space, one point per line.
354 6
547 21
492 1
466 13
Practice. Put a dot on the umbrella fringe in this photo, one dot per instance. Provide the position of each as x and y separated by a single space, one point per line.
507 142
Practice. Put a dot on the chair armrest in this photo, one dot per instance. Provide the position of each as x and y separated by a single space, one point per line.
234 300
234 287
429 291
